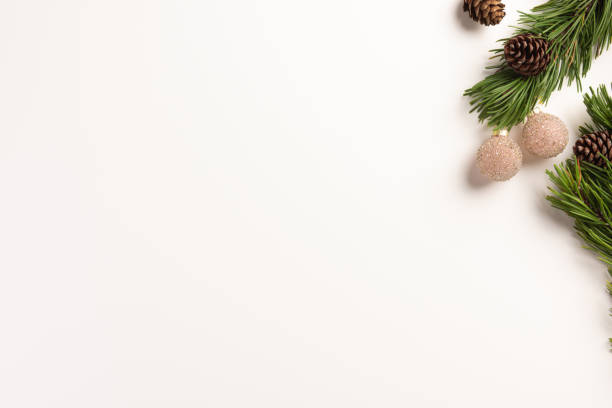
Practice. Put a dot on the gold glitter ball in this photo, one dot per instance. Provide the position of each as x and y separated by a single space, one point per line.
544 135
499 158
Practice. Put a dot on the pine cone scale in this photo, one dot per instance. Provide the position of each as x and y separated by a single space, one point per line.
527 55
486 12
594 147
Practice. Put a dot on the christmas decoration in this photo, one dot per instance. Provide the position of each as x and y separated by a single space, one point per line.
577 30
583 190
499 158
597 137
486 12
544 135
527 55
594 148
553 45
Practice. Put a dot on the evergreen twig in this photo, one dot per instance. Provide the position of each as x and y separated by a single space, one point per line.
578 30
584 191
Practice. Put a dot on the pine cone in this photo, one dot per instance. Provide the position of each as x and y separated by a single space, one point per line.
527 55
589 147
487 12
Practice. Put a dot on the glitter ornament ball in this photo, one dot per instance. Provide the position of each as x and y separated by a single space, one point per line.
499 158
544 135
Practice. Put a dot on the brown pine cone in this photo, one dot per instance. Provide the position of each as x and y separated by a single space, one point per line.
589 147
527 55
487 12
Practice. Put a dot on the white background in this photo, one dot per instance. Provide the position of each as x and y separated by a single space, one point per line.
273 203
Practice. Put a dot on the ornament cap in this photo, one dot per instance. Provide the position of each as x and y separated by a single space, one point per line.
539 108
500 132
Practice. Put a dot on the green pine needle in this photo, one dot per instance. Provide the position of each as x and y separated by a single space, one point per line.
578 31
584 191
598 107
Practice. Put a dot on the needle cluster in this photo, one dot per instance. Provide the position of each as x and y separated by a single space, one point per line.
584 191
577 30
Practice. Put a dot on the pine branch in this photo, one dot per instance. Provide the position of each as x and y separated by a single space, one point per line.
598 105
578 30
584 191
